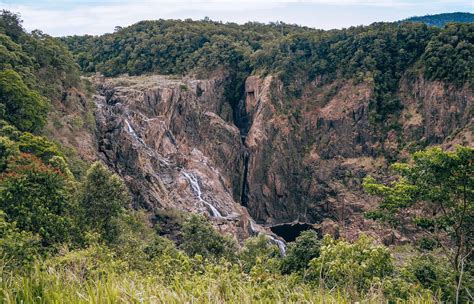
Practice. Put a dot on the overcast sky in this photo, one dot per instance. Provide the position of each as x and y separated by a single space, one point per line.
68 17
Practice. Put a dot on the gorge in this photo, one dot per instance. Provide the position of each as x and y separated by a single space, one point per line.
178 143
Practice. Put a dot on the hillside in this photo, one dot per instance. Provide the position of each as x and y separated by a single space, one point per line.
440 20
197 161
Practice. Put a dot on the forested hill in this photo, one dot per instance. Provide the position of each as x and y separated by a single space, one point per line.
380 50
380 53
441 19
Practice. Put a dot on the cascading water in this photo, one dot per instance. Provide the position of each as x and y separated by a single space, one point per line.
281 245
149 150
197 189
254 231
132 132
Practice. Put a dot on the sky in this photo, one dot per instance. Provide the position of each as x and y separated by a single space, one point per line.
95 17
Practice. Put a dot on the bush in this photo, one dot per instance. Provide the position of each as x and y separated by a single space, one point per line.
257 250
300 252
137 243
355 266
428 244
104 197
8 149
17 248
94 261
433 273
399 290
39 199
199 237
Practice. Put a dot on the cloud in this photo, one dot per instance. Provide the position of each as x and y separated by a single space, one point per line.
96 17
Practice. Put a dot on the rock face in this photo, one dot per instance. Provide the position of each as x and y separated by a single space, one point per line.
177 145
172 142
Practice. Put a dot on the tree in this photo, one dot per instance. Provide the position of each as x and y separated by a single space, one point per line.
443 183
199 237
305 248
258 250
10 24
8 149
104 196
38 198
24 108
17 248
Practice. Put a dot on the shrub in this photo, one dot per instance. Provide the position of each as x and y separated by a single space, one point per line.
300 252
104 196
137 243
428 244
433 273
199 237
17 248
94 261
38 198
355 266
257 250
8 149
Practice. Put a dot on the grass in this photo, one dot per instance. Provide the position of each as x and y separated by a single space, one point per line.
214 284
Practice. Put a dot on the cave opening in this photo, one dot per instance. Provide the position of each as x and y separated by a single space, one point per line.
289 232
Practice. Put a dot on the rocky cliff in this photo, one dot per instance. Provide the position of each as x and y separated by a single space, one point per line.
289 165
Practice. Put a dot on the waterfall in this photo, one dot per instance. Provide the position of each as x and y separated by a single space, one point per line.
132 132
149 150
197 189
281 245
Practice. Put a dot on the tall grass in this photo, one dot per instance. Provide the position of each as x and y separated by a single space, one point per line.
213 284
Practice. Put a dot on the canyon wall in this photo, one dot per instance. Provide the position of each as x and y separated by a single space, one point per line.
176 143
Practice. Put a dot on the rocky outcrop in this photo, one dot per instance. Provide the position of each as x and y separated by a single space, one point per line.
172 142
270 160
307 158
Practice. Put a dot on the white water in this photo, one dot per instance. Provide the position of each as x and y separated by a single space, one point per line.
252 227
281 245
137 138
132 131
197 189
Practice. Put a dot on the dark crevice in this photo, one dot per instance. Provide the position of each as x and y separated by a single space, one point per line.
237 94
244 196
289 232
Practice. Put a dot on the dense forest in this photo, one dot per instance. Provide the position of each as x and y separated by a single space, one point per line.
380 53
68 232
441 19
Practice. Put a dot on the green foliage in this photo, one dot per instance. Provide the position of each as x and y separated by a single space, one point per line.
38 146
355 267
23 107
10 24
443 182
449 55
18 248
300 252
257 251
441 20
199 237
379 54
104 196
432 273
399 290
96 260
38 198
44 63
8 149
426 243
